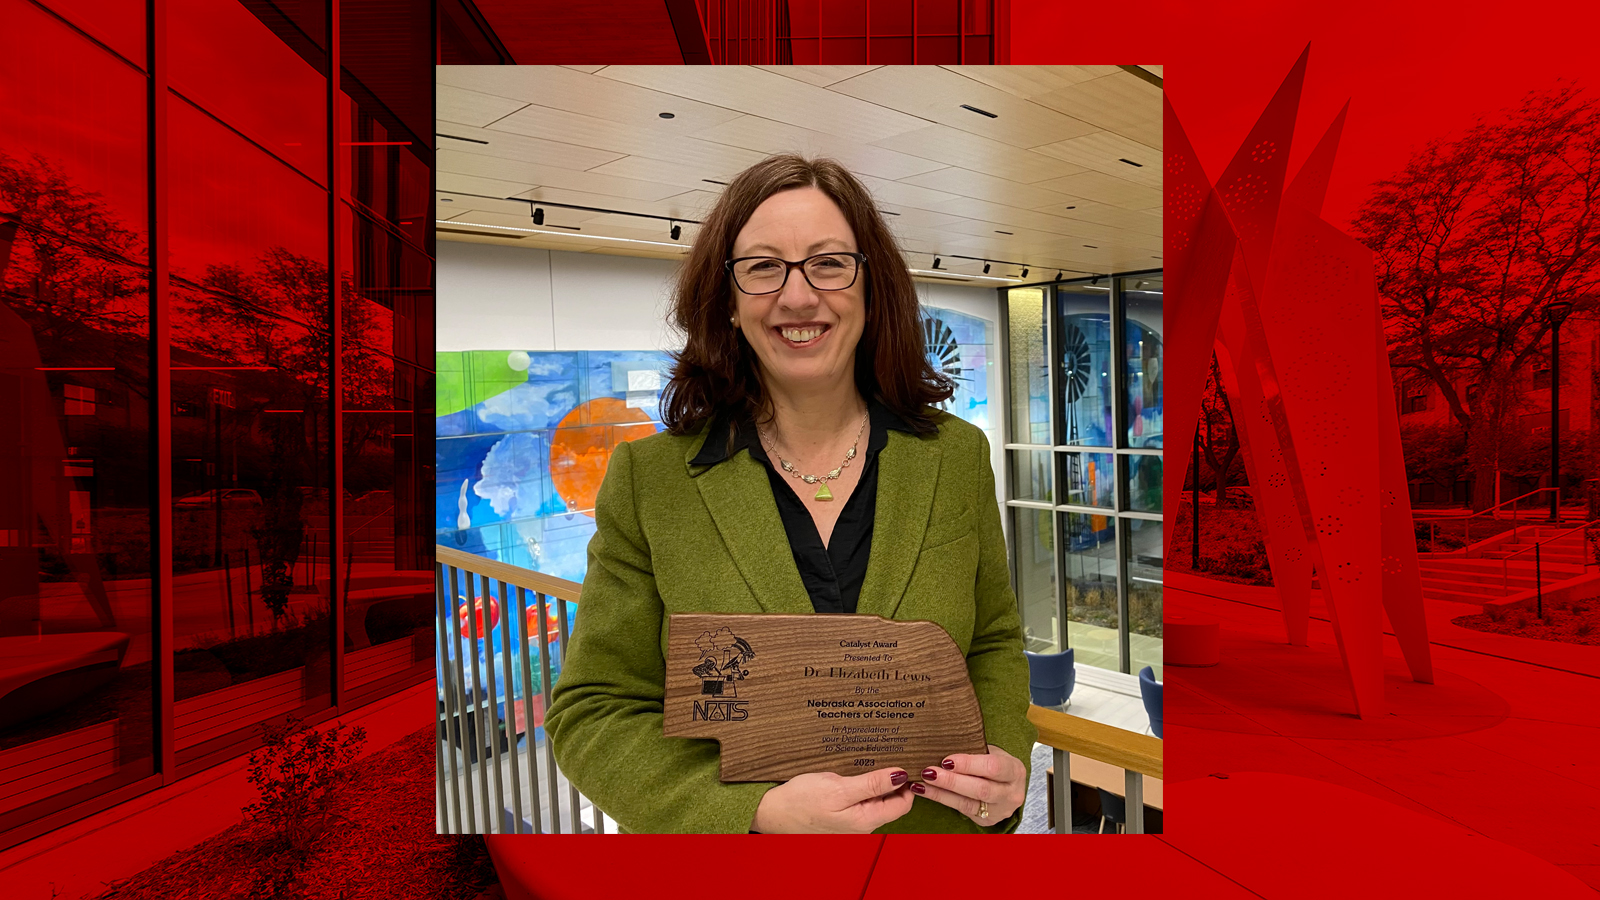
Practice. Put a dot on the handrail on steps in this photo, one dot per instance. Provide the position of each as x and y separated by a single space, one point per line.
1467 534
1538 565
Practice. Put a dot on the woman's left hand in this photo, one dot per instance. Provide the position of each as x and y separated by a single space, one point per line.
995 783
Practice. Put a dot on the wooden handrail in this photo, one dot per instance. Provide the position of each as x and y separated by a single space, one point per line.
1117 746
559 588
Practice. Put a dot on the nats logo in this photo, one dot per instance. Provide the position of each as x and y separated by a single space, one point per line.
723 656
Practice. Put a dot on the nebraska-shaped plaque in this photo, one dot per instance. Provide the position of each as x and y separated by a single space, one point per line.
785 694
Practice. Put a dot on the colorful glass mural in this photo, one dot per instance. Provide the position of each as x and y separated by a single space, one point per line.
524 437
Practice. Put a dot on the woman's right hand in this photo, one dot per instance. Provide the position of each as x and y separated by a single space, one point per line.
825 803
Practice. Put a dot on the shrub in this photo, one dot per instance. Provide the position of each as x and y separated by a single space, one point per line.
1583 628
1521 621
298 771
1496 613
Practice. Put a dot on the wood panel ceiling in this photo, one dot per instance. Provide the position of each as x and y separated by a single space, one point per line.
1069 165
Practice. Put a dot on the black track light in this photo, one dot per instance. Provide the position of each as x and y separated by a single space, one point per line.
677 230
986 267
1095 280
538 216
936 262
1058 276
1024 273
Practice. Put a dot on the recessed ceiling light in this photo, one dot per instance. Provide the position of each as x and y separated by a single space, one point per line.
1072 207
455 138
1091 246
981 112
714 181
1131 163
445 200
1002 232
670 116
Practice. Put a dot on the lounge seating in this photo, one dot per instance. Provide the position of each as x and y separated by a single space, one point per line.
1150 690
1051 677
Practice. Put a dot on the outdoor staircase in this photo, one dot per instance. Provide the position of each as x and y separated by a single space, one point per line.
1487 577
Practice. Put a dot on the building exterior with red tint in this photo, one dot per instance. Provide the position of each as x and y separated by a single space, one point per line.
217 314
728 32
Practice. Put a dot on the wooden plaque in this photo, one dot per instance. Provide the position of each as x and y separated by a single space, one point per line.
785 695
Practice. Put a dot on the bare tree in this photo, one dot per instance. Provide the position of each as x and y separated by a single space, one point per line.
1472 239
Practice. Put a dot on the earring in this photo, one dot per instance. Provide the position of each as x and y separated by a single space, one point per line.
734 321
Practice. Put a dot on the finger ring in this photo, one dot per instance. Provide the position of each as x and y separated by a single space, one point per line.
983 810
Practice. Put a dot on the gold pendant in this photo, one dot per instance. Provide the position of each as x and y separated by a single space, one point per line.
823 493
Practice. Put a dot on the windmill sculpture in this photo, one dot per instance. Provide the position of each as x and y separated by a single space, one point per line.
1075 369
944 351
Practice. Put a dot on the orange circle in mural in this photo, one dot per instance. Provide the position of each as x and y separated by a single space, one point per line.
581 447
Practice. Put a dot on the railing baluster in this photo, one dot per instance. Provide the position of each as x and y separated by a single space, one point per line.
477 708
1063 790
561 630
491 706
468 755
544 685
510 708
527 707
1133 795
448 702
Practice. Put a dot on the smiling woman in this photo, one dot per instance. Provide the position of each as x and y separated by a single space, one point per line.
800 423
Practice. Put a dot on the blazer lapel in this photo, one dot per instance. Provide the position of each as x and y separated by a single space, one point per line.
908 469
740 499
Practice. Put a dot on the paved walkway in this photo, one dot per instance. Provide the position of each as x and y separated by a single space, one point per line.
1505 744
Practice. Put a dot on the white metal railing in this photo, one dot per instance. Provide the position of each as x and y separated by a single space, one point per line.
493 690
1492 512
1584 548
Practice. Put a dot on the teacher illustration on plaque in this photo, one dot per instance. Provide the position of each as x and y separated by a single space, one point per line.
804 469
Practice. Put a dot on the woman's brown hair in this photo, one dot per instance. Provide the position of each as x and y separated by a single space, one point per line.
716 370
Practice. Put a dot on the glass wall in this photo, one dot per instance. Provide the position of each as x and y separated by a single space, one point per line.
1085 457
236 463
76 648
903 32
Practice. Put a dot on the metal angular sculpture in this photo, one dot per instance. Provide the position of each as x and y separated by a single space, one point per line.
1299 341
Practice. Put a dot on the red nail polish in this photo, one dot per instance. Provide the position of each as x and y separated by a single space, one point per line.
930 774
898 778
917 787
948 764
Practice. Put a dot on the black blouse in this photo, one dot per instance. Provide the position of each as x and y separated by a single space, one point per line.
833 573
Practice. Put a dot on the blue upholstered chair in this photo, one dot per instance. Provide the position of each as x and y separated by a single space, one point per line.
1051 677
1150 689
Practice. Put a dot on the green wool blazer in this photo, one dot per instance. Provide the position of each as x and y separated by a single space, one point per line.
679 538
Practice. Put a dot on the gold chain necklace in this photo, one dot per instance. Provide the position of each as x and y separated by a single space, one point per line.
821 480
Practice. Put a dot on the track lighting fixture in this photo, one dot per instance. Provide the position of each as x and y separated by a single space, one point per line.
1095 280
538 216
936 262
1058 276
985 267
677 230
1024 273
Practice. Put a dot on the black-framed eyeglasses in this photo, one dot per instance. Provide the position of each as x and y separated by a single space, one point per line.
768 274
